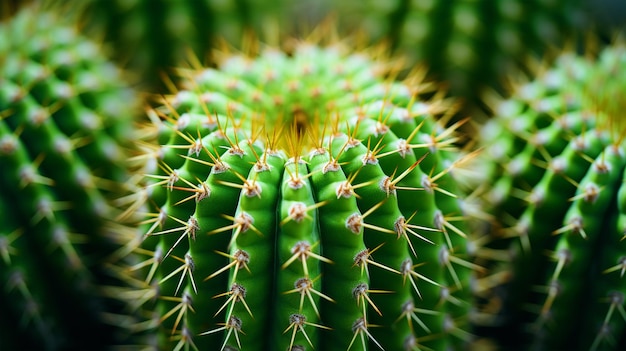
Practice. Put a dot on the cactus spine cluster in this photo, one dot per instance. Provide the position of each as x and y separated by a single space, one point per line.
557 157
65 117
303 201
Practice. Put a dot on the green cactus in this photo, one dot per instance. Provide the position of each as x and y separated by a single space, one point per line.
153 36
65 117
303 201
470 45
554 156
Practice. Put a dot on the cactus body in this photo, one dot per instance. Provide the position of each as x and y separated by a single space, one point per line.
153 36
302 201
469 44
62 157
557 151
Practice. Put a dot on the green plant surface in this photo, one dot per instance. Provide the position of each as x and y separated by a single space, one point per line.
303 199
470 45
152 37
554 155
65 118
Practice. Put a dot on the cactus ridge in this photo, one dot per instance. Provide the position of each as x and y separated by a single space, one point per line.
63 155
561 143
304 200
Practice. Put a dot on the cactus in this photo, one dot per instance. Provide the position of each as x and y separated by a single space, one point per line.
301 200
555 157
153 36
471 45
65 117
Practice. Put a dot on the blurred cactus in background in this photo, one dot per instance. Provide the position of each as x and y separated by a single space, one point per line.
468 45
66 122
554 162
152 36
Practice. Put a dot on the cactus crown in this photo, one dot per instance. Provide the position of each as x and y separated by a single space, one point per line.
297 190
303 89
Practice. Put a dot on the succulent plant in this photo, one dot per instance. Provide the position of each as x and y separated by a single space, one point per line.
471 45
152 36
65 118
554 160
303 199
